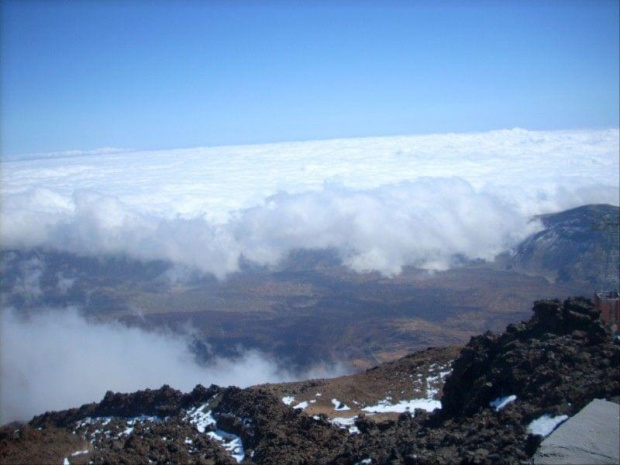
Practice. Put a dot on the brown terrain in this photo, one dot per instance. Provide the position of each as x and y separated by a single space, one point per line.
316 312
416 376
333 314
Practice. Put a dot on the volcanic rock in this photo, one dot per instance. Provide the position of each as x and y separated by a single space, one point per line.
549 367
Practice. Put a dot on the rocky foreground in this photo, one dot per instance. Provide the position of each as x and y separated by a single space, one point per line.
504 393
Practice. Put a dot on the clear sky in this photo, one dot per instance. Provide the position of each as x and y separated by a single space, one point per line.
169 74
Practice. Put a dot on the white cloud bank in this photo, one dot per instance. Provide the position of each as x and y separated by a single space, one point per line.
57 360
381 203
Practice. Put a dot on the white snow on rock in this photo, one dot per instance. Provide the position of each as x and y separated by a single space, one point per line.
545 424
501 402
346 423
288 400
340 406
301 405
200 417
90 420
104 421
231 442
66 460
431 391
385 406
133 420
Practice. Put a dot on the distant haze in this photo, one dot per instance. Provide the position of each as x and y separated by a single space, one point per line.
381 203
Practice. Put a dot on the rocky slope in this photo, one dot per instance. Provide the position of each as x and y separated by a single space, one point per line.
578 245
501 389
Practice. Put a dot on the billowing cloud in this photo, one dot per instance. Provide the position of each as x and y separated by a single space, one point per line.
380 203
55 359
424 223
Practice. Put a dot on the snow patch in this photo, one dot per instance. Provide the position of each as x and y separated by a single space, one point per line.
90 420
231 442
339 406
288 400
384 406
200 417
501 402
301 405
142 418
346 423
431 391
545 424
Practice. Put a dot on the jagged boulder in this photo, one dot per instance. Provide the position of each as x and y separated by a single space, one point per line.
562 356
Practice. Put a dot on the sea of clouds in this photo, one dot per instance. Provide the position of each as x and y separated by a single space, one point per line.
381 203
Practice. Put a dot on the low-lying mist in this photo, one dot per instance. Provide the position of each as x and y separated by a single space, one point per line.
55 359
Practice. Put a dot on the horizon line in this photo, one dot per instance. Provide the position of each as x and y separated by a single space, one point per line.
75 153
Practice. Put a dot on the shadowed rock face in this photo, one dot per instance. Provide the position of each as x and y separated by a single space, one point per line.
576 245
554 364
560 356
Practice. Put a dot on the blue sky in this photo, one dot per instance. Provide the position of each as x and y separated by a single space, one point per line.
163 74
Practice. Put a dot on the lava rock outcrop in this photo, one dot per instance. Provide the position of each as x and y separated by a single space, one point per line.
562 356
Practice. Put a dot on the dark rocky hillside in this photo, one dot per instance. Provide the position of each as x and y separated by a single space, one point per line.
546 368
576 245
